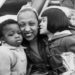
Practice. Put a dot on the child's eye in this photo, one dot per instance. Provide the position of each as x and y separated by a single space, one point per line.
11 34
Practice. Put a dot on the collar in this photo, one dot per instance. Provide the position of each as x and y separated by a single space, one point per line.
13 47
61 34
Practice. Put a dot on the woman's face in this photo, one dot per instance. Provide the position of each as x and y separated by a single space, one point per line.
29 25
72 19
43 25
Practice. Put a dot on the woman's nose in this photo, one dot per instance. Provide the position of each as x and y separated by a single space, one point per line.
27 28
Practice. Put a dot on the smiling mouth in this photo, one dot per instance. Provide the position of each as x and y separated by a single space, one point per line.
18 41
28 35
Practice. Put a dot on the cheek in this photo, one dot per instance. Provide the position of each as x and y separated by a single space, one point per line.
44 27
22 28
22 31
35 30
9 40
21 37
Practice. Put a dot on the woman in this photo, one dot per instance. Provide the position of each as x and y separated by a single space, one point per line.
57 27
36 48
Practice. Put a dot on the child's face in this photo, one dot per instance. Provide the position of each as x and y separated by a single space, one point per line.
43 26
12 34
72 20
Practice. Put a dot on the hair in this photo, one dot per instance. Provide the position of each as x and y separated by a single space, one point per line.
57 20
4 23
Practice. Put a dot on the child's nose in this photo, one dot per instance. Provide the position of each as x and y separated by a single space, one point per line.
16 35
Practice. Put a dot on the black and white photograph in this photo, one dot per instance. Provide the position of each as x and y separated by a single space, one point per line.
37 37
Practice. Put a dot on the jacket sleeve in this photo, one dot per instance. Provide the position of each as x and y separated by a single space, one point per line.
4 63
69 43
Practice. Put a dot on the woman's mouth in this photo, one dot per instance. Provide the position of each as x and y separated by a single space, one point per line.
27 34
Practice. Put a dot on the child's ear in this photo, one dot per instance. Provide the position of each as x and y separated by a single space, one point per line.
1 40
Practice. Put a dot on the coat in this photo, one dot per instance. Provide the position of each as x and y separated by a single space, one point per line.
60 43
50 52
37 64
12 60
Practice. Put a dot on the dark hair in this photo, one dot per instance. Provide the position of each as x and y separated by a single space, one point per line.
4 23
57 20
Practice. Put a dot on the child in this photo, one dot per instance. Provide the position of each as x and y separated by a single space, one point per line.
12 56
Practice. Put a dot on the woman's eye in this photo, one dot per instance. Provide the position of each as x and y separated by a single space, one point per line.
44 20
31 23
22 25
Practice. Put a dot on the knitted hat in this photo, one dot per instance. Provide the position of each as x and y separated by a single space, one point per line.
27 7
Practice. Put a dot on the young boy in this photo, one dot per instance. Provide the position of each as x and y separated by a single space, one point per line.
12 56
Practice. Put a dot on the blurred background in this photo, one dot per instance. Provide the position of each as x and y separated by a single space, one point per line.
13 6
